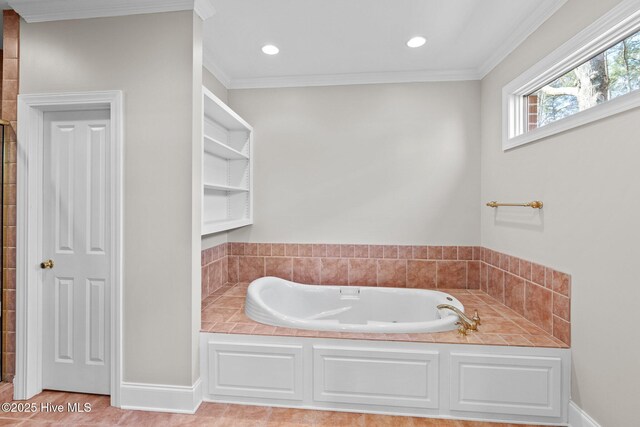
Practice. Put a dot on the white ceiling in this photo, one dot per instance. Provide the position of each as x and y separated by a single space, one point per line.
56 10
364 41
335 41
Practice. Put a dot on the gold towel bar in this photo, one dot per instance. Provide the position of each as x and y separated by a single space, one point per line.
536 204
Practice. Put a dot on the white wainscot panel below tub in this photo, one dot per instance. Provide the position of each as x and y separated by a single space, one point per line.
375 376
455 381
251 370
522 385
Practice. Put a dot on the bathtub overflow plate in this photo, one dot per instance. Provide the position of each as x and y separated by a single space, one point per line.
349 293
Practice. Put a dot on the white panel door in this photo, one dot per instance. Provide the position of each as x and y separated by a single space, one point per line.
75 237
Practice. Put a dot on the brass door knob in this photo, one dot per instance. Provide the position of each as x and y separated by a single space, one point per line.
48 264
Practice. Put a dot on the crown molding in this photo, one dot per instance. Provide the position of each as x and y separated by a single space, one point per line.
57 10
204 9
524 29
355 79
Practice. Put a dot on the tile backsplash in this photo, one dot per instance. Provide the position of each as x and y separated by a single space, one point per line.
539 293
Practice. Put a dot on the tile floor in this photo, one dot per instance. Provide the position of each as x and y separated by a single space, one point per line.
210 414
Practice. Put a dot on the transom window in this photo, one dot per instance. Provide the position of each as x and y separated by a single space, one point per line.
594 75
606 76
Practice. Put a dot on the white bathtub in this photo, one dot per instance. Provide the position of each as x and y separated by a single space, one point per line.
279 302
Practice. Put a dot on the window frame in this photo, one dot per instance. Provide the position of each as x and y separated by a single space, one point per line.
621 22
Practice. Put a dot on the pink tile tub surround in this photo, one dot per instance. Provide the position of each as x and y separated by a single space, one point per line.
214 270
538 293
223 312
541 294
358 265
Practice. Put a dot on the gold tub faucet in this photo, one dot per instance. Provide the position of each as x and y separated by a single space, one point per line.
465 323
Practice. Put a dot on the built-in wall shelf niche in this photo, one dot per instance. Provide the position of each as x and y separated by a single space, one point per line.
227 168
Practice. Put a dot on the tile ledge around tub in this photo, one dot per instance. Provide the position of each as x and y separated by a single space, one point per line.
223 312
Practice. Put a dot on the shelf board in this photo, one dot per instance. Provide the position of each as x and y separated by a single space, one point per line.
217 187
217 110
209 227
217 148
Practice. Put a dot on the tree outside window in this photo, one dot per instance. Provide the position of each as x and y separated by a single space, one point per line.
608 75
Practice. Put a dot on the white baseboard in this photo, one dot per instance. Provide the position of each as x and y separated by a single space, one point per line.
161 398
579 418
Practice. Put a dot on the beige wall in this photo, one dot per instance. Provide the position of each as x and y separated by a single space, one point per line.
396 163
588 179
214 85
150 58
211 240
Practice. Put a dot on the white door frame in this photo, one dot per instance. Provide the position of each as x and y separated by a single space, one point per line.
31 109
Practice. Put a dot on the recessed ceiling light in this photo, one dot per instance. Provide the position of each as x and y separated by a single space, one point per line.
416 41
270 49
